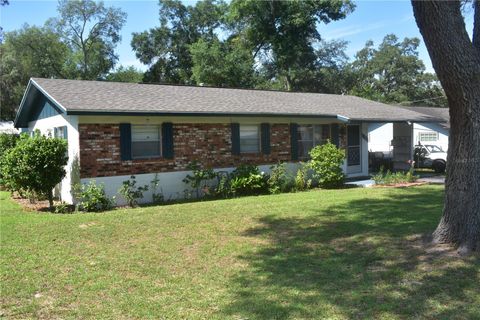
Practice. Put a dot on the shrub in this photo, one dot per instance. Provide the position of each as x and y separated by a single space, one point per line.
389 178
302 182
157 197
279 180
93 198
248 180
7 142
35 164
200 178
326 162
64 208
223 188
130 192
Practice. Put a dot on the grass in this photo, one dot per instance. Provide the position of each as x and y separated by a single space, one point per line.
344 254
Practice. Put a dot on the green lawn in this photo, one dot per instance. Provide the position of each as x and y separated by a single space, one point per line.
344 254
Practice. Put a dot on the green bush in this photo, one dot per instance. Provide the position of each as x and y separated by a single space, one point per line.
248 180
302 182
326 162
223 188
35 164
200 178
7 142
130 192
93 198
280 180
157 196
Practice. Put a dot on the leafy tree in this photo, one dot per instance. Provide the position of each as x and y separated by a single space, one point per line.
92 31
393 73
223 64
165 49
36 164
456 59
2 3
29 52
125 74
282 34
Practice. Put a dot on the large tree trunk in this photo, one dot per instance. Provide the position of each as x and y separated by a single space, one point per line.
456 60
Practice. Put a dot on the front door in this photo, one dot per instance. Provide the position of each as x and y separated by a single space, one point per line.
354 163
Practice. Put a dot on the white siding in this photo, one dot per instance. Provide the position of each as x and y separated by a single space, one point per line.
47 125
442 134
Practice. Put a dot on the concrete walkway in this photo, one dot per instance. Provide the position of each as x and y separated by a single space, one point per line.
433 179
362 183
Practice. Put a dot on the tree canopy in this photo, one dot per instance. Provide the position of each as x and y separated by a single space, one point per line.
29 52
92 32
393 73
79 44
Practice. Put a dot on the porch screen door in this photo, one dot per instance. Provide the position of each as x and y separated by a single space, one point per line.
353 149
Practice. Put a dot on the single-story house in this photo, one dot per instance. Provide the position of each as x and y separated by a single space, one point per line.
115 130
380 135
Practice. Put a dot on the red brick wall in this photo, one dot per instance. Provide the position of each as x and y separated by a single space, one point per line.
208 143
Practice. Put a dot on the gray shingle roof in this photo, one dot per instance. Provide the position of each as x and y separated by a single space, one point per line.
78 96
440 113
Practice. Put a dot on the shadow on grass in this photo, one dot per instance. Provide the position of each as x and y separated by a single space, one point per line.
363 259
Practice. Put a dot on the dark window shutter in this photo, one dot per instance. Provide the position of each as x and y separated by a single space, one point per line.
265 138
293 140
235 138
55 132
65 133
125 141
335 134
167 140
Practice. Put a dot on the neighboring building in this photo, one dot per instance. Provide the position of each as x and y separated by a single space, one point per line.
8 127
115 130
380 134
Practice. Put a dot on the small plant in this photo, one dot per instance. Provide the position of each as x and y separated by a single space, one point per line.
248 180
389 178
223 189
130 192
326 162
93 198
63 207
279 180
302 182
157 197
200 178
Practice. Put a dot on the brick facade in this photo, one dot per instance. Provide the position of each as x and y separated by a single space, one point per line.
208 143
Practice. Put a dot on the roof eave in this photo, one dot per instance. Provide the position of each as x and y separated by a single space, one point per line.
203 114
28 90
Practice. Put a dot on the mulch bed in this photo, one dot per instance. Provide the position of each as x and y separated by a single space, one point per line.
39 205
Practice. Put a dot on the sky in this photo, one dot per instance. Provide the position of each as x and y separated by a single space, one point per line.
371 20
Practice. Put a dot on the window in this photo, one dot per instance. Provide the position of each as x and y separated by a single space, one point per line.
249 139
146 142
309 136
428 136
60 132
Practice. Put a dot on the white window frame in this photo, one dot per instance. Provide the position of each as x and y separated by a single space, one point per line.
58 132
249 127
432 136
315 142
159 128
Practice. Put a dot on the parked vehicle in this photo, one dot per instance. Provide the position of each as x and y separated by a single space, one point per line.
430 156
